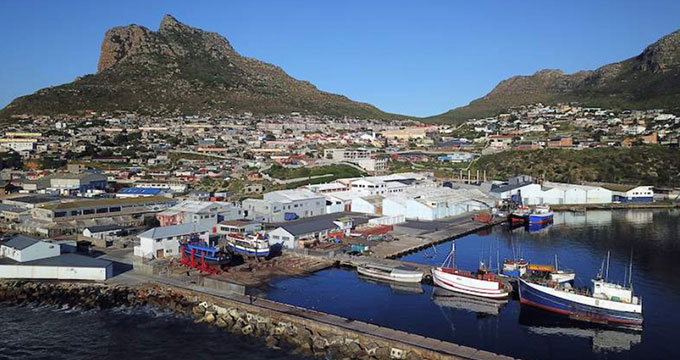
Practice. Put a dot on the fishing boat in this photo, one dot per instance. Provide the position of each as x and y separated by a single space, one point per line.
446 298
541 214
519 215
199 251
396 287
480 283
605 303
405 274
250 244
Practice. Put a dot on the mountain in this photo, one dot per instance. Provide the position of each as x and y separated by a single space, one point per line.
649 80
182 70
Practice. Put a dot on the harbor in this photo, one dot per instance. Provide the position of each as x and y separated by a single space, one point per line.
581 241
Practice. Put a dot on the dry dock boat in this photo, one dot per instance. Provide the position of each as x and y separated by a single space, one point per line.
405 274
250 245
481 283
606 303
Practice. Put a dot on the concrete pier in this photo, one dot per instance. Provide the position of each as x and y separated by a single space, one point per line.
417 235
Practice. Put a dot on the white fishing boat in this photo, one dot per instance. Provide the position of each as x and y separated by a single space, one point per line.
481 283
405 274
250 245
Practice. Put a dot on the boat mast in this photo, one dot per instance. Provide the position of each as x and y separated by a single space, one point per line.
556 268
606 274
630 270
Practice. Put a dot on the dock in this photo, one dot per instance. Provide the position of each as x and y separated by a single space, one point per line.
413 236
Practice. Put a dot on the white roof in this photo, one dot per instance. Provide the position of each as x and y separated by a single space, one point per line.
174 230
291 195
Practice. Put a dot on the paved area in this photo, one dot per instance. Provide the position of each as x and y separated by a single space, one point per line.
415 235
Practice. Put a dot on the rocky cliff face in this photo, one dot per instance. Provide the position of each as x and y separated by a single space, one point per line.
651 79
182 70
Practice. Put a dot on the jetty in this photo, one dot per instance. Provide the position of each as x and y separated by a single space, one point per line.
413 236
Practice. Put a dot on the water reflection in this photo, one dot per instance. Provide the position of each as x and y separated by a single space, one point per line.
602 338
450 299
397 288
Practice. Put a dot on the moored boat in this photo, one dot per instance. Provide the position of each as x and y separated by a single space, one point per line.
541 214
519 215
250 245
404 274
605 303
481 283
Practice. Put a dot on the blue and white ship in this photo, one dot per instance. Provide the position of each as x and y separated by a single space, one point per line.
541 214
606 303
250 245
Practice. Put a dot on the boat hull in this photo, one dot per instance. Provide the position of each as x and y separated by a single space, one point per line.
535 219
468 285
416 277
575 306
248 251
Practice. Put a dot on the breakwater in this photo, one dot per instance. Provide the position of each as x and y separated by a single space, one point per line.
280 325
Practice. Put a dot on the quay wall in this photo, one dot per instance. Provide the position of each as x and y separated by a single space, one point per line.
614 206
298 330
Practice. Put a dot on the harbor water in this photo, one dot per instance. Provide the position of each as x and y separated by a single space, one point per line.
54 333
580 241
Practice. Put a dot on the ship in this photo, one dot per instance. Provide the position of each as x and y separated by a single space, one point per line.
552 272
605 303
201 251
514 268
403 273
480 283
541 214
255 244
519 215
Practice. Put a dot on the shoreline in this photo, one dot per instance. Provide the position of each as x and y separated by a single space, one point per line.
282 326
613 206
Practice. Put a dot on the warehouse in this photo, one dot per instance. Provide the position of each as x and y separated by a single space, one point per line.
297 234
630 193
435 203
23 248
62 267
164 241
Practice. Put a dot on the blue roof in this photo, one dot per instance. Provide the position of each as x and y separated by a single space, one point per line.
140 191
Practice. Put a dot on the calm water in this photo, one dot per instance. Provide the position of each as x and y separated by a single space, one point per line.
579 240
49 333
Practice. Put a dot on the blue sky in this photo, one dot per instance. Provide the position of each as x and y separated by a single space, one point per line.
411 57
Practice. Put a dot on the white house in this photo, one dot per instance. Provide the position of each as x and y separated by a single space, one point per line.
103 232
164 241
25 248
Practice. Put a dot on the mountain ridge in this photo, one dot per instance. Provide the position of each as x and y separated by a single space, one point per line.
181 70
649 79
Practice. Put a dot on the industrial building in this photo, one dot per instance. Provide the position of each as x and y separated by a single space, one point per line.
277 206
522 188
163 241
298 234
205 213
630 193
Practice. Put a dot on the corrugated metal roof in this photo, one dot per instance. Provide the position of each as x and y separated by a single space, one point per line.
21 242
141 191
69 260
174 230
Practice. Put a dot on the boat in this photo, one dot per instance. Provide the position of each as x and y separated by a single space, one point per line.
254 244
519 215
199 251
480 283
405 274
541 214
476 304
605 303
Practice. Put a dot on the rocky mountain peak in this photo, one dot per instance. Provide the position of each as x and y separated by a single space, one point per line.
170 23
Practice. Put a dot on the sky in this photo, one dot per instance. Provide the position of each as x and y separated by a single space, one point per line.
417 58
